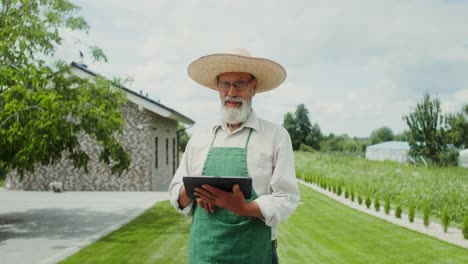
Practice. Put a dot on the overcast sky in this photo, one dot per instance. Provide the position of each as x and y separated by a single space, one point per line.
356 65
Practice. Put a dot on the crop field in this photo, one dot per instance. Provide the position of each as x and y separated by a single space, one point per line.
440 194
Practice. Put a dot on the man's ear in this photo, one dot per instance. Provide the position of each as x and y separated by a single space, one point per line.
254 90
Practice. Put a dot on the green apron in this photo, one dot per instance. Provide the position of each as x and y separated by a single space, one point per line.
225 237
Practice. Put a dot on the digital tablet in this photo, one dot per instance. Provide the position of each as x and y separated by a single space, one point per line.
224 183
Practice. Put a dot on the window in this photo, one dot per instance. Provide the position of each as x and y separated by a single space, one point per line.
167 151
173 156
156 152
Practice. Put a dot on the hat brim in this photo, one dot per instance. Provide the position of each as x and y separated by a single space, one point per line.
268 73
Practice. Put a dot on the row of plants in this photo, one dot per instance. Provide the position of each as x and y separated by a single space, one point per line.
433 193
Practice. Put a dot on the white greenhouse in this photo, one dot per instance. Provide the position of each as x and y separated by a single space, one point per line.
391 150
463 158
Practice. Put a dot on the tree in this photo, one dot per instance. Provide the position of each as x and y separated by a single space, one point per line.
43 108
303 125
458 128
382 134
299 127
183 137
314 137
427 126
403 136
333 142
289 123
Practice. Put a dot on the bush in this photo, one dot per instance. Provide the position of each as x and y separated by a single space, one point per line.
346 193
448 157
306 148
465 227
352 195
426 214
444 217
377 203
387 204
368 202
338 191
3 173
411 212
398 211
359 199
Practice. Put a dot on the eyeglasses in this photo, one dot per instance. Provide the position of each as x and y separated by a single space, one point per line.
240 85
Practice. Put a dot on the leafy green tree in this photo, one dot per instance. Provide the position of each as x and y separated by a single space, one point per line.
428 130
183 137
289 123
458 128
304 136
303 125
382 134
332 143
44 110
298 125
314 137
403 136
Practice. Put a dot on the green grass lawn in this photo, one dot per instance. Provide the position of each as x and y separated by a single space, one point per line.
159 235
320 231
325 231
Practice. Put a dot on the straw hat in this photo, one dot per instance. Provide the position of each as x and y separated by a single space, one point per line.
268 73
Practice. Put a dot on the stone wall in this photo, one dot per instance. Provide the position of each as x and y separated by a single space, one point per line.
141 129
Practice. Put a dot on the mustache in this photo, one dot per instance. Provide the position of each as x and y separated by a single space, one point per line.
228 98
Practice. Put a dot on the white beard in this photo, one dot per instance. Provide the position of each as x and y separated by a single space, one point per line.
235 116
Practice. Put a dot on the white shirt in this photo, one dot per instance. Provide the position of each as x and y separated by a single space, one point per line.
270 163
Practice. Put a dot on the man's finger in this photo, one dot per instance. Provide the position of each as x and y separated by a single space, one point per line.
237 191
203 191
212 189
202 204
204 197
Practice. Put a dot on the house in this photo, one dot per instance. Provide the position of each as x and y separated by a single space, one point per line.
150 136
391 150
463 158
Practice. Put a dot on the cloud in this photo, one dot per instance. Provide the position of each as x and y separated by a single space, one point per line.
356 65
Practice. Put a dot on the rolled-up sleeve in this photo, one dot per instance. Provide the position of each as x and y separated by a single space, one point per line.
176 184
283 200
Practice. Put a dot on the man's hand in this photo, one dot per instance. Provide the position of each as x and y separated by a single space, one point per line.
209 207
233 201
184 200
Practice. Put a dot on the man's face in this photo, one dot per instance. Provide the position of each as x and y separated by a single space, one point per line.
236 90
246 88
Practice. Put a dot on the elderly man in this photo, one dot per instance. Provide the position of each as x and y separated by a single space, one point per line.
226 228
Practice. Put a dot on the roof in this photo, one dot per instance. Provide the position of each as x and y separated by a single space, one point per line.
391 145
139 99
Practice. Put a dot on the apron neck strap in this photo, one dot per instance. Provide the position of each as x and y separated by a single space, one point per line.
214 137
246 143
248 139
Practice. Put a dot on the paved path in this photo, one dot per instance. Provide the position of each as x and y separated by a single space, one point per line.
46 227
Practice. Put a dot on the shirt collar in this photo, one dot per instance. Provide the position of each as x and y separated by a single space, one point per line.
251 122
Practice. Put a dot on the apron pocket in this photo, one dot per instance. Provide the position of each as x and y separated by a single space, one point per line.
226 242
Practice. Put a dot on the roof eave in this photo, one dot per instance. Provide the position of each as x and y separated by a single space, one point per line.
137 98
